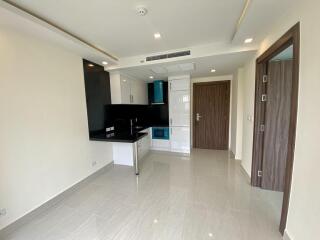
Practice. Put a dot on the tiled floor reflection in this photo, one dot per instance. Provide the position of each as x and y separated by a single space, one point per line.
204 196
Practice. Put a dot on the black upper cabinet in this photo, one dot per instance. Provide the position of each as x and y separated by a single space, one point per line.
151 93
98 94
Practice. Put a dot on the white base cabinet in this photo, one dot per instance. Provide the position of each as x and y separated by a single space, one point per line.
124 153
180 139
161 145
144 144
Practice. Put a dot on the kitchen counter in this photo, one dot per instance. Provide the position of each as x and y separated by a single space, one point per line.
119 137
127 147
124 137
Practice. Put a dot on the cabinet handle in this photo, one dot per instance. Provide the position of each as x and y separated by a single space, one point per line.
170 121
171 131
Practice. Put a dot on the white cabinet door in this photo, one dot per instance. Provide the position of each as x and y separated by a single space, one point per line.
180 139
125 91
144 144
179 84
139 92
179 110
133 91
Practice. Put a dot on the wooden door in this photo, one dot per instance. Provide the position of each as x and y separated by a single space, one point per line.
211 109
277 119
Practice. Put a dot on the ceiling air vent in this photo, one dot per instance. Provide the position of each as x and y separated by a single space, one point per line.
169 55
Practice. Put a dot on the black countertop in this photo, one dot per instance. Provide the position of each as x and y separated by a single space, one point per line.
121 136
125 136
118 137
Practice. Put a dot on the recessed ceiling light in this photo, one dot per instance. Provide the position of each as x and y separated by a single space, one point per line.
213 70
90 65
142 11
151 77
248 40
155 221
157 35
104 62
124 80
210 235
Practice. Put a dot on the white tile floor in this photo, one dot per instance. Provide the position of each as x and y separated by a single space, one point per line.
204 196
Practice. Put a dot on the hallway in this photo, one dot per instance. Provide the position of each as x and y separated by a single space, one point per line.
202 196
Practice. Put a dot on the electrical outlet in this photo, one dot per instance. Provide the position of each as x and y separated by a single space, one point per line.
94 163
3 212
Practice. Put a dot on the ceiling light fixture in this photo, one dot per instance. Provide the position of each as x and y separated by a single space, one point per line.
157 35
90 65
213 70
248 40
151 77
142 11
104 62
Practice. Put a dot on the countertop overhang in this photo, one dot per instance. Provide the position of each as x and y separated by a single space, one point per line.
118 137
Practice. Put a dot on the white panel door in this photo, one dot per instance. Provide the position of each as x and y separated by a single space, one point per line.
179 109
180 139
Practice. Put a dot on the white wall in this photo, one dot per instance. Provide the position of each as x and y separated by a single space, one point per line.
304 209
237 114
211 79
248 90
44 146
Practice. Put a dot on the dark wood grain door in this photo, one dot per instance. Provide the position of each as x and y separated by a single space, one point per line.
211 108
278 105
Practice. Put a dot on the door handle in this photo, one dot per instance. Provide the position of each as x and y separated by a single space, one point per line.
198 116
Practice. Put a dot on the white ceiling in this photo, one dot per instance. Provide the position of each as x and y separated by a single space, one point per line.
260 17
224 64
115 26
12 19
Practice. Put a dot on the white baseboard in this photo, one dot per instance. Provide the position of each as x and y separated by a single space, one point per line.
232 155
248 178
286 236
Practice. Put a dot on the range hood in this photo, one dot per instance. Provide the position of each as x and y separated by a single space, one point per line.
158 92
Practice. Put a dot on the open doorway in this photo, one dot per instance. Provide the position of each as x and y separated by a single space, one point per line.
277 77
